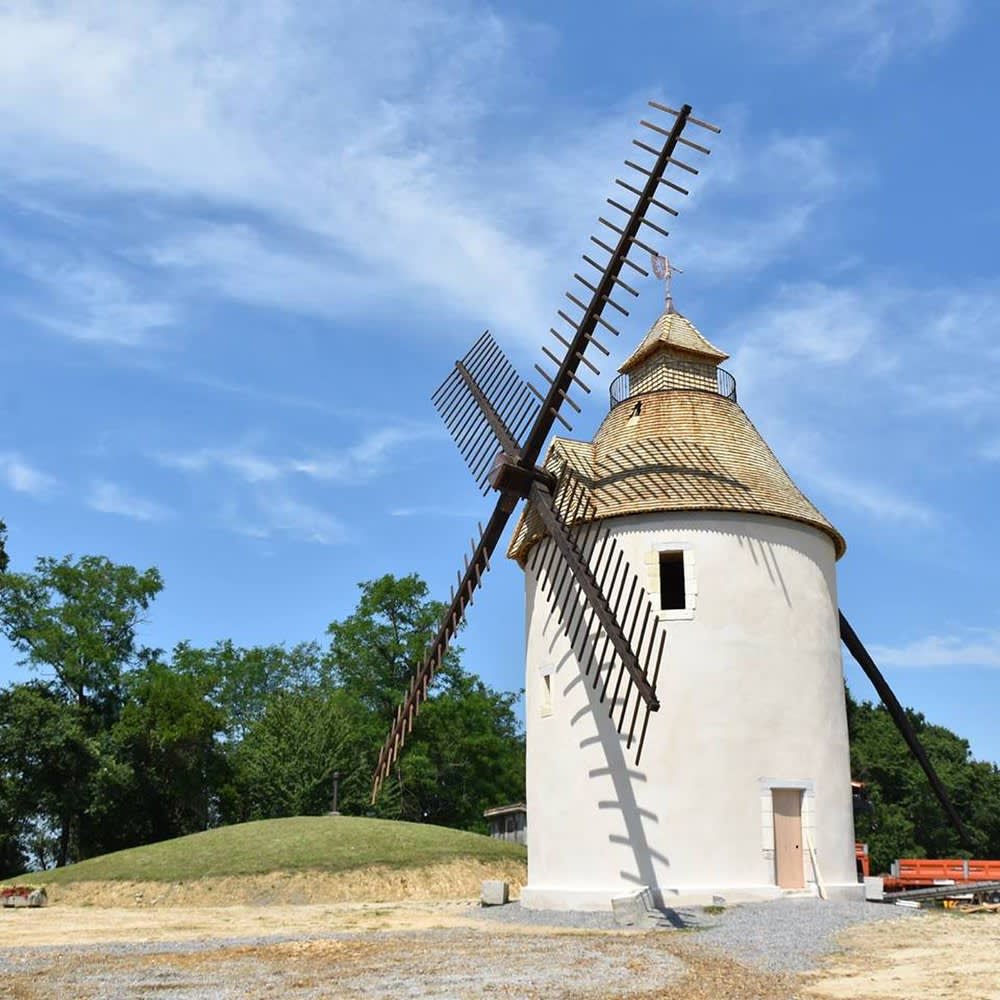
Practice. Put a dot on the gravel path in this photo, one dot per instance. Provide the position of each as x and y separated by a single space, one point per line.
790 934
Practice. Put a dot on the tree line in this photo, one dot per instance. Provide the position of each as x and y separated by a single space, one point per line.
108 744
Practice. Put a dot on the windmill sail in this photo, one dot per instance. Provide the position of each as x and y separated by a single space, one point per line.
486 407
602 608
500 432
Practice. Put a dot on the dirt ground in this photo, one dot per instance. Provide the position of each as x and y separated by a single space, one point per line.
458 879
946 955
439 949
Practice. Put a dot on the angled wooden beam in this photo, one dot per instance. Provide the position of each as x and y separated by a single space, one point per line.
898 715
541 497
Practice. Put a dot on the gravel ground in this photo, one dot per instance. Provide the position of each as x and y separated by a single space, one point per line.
748 951
790 935
782 935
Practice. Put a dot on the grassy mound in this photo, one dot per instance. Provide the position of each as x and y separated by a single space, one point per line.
303 843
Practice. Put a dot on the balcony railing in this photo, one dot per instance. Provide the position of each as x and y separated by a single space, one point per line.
725 386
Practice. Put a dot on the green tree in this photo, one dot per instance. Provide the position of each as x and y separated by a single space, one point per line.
466 755
466 752
284 765
905 819
167 736
79 619
4 558
76 621
374 652
47 759
240 681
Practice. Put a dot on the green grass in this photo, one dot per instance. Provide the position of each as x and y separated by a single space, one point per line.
304 843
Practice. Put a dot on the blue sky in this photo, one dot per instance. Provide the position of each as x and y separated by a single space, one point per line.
240 245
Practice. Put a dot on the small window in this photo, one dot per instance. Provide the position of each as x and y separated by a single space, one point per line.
546 694
672 594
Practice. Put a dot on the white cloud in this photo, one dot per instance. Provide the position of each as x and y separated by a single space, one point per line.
433 510
285 156
876 499
112 498
84 297
864 35
855 382
342 141
761 197
278 513
246 464
21 477
980 648
360 462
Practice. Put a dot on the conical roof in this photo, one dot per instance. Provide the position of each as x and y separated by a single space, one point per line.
676 448
672 330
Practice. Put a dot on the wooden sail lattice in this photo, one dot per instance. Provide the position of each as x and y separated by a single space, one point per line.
500 424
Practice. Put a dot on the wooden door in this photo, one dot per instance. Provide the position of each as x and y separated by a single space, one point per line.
787 804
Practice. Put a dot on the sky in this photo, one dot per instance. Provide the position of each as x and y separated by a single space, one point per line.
242 243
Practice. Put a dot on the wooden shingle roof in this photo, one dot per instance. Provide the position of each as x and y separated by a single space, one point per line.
672 330
677 450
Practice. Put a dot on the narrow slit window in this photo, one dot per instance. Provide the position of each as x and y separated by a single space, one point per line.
672 594
546 694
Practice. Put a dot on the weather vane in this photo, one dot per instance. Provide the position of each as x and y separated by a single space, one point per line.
664 270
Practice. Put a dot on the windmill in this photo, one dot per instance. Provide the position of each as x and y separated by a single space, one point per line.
593 589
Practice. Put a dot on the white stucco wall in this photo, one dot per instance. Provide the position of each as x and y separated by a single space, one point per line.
752 698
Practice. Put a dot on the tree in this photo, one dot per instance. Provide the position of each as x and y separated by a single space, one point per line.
374 651
46 760
79 619
240 681
467 752
284 765
905 819
167 737
466 755
4 558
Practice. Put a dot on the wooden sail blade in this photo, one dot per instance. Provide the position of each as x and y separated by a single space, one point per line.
624 233
486 407
898 716
602 608
475 566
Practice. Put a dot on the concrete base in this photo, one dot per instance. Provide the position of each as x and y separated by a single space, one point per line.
600 899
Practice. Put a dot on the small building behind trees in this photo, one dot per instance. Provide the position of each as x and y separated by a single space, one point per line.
508 822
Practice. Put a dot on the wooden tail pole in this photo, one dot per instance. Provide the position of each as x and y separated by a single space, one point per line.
895 710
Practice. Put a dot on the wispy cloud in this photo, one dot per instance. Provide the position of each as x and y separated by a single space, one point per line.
762 198
85 297
876 499
112 498
291 158
318 139
21 477
975 648
864 35
276 512
360 462
434 510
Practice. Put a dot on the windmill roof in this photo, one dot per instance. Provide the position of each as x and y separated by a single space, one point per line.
684 450
676 331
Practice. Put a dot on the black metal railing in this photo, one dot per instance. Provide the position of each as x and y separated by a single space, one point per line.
725 386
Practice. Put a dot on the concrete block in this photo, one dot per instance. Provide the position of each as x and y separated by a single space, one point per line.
494 893
634 910
874 888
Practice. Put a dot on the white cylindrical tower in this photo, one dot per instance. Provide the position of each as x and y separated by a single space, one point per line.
743 789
